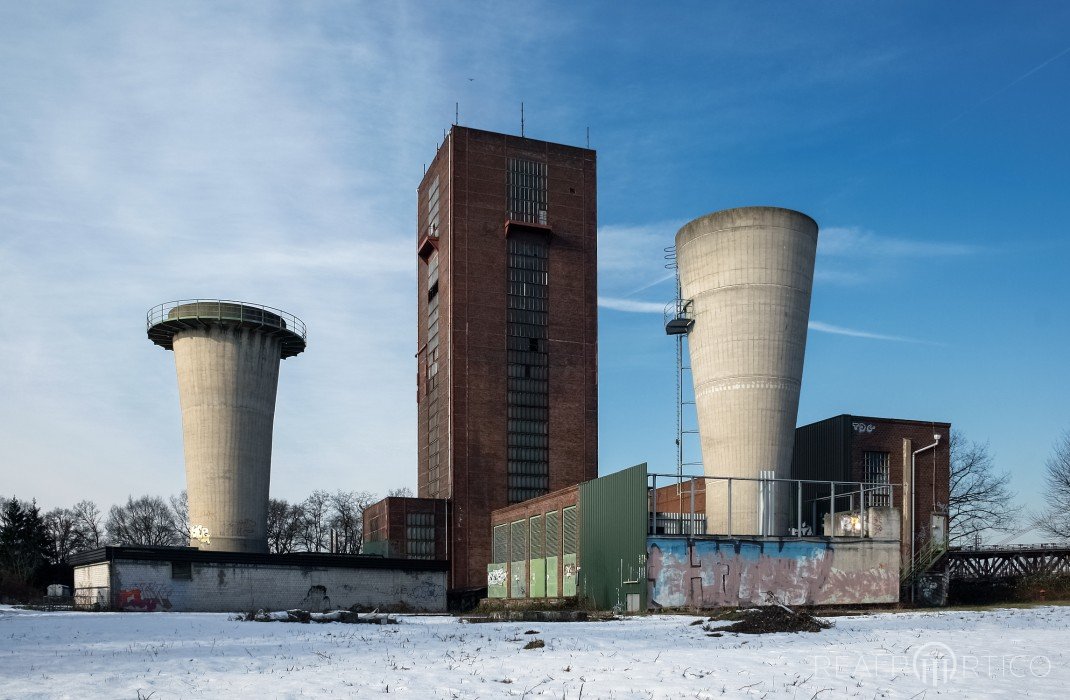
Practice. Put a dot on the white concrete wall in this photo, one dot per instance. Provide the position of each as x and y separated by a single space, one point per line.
749 273
227 380
92 585
149 586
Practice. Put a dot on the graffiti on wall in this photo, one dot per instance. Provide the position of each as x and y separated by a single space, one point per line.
145 597
496 575
726 573
201 534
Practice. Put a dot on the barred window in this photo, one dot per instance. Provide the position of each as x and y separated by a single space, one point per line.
571 521
878 471
518 536
500 546
553 533
536 547
527 190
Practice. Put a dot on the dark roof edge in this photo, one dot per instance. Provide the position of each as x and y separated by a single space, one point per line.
300 559
852 416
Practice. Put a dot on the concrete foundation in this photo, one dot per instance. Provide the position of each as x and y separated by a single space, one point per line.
729 572
748 273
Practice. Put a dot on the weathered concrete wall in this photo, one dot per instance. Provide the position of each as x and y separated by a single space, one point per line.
216 587
722 572
749 274
227 380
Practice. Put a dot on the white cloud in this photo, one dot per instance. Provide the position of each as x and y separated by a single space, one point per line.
849 241
631 305
822 327
270 153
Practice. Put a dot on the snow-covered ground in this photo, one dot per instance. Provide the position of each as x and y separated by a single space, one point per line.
996 653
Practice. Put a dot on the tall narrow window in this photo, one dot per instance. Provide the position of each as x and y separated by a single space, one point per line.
431 380
527 190
877 472
432 209
528 370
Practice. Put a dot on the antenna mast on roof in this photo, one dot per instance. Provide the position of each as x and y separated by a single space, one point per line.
521 119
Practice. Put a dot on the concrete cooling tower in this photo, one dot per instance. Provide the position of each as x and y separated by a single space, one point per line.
748 273
227 355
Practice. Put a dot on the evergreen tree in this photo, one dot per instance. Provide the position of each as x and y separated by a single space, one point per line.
25 543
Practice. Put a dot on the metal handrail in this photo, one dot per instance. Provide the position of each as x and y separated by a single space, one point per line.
678 308
838 490
223 307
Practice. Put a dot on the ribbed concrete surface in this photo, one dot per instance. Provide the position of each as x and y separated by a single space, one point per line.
227 379
749 272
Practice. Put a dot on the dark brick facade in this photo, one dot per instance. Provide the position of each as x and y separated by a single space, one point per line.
387 523
835 449
469 387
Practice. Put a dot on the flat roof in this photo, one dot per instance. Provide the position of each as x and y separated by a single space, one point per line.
294 559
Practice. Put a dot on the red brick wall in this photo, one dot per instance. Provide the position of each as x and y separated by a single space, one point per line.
933 468
472 308
387 520
553 501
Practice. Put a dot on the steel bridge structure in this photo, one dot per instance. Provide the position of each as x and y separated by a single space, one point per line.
994 562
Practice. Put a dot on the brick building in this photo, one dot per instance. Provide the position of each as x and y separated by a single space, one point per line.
873 450
507 388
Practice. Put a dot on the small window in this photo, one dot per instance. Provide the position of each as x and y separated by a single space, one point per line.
420 535
878 471
182 571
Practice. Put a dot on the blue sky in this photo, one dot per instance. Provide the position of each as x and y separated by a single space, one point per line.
271 152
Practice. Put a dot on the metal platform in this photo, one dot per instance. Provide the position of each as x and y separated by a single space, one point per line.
164 321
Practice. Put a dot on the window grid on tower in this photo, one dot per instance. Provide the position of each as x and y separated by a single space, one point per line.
528 371
527 191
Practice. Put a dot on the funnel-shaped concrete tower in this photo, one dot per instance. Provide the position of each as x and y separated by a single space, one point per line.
227 355
748 273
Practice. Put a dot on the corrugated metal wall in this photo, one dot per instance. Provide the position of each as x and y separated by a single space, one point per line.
613 524
823 453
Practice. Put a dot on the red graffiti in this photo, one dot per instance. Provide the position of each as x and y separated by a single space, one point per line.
131 599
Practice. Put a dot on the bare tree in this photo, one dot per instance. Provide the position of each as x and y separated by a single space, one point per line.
180 514
403 492
981 499
347 520
285 523
1055 519
315 525
88 518
65 533
143 521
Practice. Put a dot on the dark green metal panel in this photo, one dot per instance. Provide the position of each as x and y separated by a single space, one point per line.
497 576
822 453
613 525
